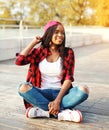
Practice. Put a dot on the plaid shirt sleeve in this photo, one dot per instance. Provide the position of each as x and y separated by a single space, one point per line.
69 64
23 60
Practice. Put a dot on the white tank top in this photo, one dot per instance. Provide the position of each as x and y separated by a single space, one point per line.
50 74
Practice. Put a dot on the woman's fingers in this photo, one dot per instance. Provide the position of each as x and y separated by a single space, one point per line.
53 111
53 108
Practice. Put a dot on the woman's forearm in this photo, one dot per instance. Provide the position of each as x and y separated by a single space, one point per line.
29 47
65 87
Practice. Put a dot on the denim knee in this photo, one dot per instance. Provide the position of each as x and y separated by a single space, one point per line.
74 97
27 83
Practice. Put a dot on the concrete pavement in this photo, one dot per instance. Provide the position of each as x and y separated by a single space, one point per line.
92 68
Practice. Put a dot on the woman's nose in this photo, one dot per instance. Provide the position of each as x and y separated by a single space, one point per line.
60 34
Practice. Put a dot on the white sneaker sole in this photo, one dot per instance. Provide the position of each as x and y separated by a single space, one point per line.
27 111
74 116
80 115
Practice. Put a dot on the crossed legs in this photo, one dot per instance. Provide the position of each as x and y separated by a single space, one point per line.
41 98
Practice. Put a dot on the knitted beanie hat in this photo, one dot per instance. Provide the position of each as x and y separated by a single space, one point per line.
51 23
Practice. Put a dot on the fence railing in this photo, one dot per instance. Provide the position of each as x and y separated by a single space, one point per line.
15 23
4 26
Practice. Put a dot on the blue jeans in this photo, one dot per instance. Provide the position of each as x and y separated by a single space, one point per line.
41 97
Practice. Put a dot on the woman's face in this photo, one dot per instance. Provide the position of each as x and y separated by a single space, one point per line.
58 35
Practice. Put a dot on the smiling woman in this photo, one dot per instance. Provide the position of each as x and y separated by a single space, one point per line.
58 35
48 89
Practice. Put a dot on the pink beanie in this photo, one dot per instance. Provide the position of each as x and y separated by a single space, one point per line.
50 24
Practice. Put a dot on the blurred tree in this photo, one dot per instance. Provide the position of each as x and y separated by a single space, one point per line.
5 13
43 11
73 12
69 12
19 9
102 12
76 12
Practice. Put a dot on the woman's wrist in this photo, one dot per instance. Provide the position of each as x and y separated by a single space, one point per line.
58 101
30 46
36 40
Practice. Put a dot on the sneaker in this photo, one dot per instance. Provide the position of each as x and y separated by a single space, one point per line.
70 115
33 112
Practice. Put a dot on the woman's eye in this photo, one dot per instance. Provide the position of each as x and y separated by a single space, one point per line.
56 32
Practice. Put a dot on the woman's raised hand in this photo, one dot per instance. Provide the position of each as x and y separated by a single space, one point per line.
36 40
28 48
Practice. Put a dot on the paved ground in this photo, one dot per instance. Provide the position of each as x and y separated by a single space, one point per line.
92 68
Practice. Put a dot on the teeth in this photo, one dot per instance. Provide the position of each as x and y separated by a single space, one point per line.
59 39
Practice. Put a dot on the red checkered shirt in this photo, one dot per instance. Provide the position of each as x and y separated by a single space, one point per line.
36 56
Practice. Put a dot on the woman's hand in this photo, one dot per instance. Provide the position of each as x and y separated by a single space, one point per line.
28 48
36 40
54 107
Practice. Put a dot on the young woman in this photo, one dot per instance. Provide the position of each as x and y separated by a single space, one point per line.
48 88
